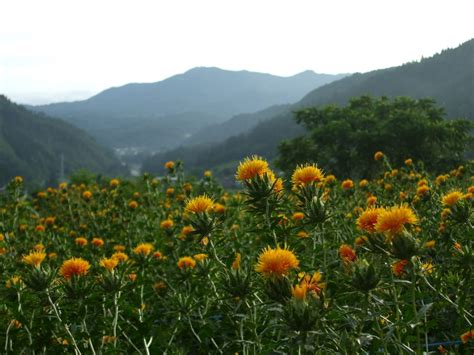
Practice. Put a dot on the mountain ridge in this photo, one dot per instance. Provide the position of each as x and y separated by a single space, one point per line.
448 77
213 95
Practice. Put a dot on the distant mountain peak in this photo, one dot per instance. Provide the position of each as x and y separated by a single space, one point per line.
160 114
203 69
447 77
306 72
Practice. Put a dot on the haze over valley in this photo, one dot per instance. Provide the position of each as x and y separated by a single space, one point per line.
207 115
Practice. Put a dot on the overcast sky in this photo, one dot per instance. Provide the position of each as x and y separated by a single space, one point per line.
65 50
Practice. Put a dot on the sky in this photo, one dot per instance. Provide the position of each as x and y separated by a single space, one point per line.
70 50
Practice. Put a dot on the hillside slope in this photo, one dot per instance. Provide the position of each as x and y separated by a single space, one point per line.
31 145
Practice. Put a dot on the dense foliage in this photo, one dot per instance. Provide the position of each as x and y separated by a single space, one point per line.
31 145
173 266
341 139
447 77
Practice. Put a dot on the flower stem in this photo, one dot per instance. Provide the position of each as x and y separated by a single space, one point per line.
415 311
56 312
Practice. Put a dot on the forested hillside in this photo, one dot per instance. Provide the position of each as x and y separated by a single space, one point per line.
31 145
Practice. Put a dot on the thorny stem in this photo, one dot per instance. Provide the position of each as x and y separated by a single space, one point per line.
147 344
6 336
213 248
115 322
323 244
130 342
192 329
140 313
415 311
76 348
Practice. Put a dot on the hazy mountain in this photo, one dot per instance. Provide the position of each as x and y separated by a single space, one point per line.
31 145
163 114
448 77
242 123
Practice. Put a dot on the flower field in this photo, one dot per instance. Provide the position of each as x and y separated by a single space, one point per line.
311 264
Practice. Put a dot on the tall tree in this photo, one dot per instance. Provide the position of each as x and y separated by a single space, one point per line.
343 139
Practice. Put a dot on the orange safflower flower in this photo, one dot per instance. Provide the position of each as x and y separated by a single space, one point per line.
143 249
378 156
302 234
200 257
199 204
160 285
347 254
34 258
360 240
430 244
299 291
465 337
109 263
236 262
167 224
120 256
276 262
368 219
81 241
186 262
74 267
347 184
452 198
187 230
40 228
119 247
50 220
169 165
371 200
298 216
313 282
97 242
114 183
398 268
422 190
38 247
306 175
219 208
394 219
251 167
